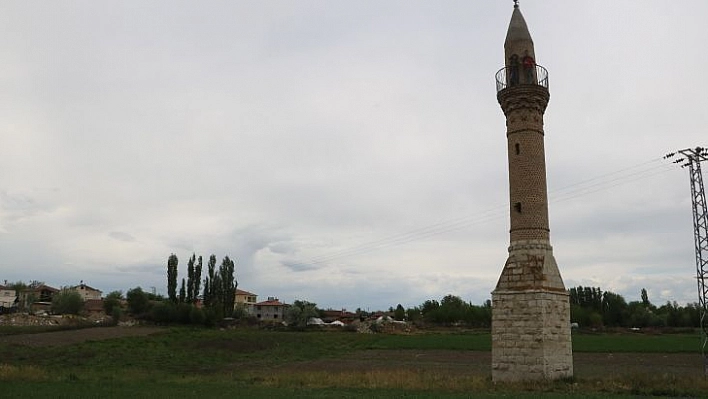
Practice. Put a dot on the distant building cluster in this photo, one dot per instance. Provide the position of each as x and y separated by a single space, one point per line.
270 310
37 298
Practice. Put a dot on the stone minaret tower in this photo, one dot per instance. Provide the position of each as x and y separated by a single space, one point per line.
530 308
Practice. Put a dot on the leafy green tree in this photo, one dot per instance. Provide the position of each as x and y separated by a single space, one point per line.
413 314
300 312
209 283
197 279
190 279
614 309
155 297
429 306
67 301
452 308
399 313
172 262
182 293
645 298
138 302
228 285
111 301
240 311
478 316
116 314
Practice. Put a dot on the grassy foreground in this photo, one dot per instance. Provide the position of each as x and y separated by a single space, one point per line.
183 362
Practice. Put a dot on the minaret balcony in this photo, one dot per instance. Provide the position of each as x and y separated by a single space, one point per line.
511 76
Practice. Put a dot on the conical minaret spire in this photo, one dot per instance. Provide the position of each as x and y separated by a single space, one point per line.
530 308
518 38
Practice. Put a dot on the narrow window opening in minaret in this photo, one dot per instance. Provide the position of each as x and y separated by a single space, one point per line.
517 207
518 148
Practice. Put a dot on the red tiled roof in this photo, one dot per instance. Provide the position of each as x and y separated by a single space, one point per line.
242 292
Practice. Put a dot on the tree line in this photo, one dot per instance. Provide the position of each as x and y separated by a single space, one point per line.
198 301
591 307
450 310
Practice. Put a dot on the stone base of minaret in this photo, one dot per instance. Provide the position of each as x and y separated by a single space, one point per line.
531 317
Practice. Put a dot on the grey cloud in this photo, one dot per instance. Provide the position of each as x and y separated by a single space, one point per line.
121 236
282 248
300 267
147 269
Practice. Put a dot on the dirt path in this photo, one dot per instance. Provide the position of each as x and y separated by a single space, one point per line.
70 337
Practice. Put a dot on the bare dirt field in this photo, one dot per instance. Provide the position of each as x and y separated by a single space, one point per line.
586 365
70 337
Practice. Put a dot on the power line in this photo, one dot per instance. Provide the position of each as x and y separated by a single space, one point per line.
598 183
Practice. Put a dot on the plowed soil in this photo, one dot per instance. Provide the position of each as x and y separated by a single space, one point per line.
586 365
70 337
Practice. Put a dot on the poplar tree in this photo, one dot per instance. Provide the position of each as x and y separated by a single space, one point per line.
197 279
182 292
209 283
172 262
228 286
190 279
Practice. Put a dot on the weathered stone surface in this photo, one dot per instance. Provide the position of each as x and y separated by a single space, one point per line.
531 335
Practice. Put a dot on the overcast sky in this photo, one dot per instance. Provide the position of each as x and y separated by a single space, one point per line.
352 154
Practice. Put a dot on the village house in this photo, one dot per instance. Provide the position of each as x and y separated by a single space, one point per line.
8 297
86 292
270 310
330 315
37 297
246 300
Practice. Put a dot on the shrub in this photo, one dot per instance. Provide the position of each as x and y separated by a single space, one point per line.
210 317
164 312
67 302
184 313
112 301
138 302
116 314
196 316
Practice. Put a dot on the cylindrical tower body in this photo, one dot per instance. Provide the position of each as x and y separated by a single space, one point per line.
530 308
523 107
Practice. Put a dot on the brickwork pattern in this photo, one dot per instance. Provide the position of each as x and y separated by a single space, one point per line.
528 200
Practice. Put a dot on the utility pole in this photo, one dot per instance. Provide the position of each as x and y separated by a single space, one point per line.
693 158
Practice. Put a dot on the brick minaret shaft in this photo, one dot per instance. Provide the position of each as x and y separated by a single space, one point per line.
530 309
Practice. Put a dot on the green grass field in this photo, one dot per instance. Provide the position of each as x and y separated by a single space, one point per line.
185 362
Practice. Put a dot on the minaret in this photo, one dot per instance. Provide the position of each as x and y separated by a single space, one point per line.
530 308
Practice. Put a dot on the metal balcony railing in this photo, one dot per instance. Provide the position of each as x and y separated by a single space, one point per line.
518 76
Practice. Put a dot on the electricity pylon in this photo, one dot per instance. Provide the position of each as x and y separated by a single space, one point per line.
693 158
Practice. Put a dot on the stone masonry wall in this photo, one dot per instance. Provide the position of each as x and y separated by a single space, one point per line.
531 336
